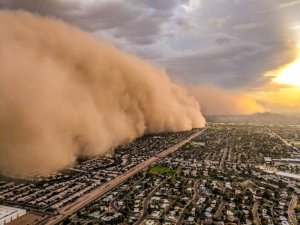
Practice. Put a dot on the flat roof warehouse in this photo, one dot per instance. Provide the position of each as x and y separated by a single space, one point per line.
8 214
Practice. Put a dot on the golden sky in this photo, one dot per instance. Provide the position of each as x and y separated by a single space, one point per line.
282 94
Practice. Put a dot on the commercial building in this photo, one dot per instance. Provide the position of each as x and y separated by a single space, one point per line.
8 214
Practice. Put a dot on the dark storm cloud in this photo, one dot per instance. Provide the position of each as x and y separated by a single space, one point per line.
252 37
231 65
217 65
47 7
88 16
138 22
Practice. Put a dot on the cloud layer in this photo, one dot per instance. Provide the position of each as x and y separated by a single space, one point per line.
245 38
65 94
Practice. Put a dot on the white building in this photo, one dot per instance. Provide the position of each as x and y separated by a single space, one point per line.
8 214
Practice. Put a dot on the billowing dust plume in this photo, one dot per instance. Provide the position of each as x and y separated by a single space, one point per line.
65 94
217 101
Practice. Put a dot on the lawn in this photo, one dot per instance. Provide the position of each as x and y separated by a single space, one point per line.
161 170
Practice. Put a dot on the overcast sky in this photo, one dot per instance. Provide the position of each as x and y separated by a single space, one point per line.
229 43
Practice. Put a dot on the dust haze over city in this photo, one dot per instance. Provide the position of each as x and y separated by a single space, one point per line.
149 112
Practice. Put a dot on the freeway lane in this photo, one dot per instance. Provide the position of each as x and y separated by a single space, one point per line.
81 202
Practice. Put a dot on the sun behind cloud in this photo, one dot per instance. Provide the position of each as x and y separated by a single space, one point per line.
282 94
289 74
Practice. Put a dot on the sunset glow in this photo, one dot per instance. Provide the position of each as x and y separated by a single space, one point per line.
289 74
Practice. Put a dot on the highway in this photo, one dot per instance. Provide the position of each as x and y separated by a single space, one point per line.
81 202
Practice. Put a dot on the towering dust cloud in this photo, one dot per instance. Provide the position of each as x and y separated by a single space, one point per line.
65 94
